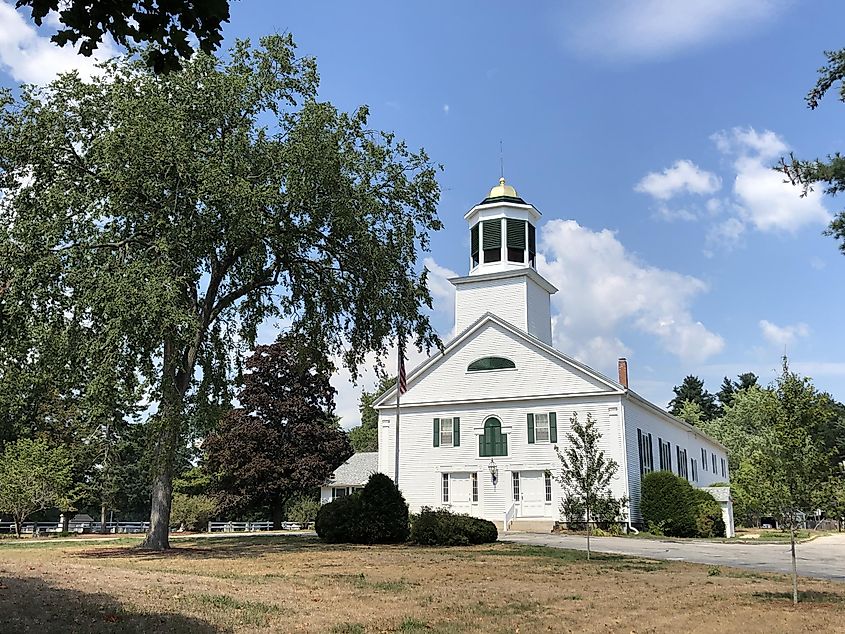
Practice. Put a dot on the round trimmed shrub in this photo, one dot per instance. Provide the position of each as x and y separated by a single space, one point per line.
441 527
376 515
667 503
384 512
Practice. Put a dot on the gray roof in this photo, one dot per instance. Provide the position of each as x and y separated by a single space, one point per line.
357 470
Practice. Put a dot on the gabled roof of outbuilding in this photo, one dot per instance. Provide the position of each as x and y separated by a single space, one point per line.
356 471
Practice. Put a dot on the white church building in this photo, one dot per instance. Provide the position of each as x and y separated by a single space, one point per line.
479 422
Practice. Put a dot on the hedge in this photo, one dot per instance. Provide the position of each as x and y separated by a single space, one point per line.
443 528
672 506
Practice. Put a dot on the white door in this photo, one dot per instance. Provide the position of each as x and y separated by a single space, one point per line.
532 493
460 492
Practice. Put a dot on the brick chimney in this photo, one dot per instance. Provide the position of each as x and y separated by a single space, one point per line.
623 372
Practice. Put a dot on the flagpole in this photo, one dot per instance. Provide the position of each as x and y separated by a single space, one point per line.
399 354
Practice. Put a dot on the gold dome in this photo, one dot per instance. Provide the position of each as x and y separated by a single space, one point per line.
502 190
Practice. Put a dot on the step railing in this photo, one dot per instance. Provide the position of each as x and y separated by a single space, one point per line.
510 514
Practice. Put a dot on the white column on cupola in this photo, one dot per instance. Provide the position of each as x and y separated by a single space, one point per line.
502 276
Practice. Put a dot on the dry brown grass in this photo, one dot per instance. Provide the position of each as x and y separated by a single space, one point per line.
296 584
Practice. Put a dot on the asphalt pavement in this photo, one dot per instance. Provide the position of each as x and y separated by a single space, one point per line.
823 557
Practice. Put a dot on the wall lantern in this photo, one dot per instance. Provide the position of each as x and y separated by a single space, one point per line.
494 470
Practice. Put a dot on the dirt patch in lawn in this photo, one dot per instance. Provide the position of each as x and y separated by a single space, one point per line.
296 584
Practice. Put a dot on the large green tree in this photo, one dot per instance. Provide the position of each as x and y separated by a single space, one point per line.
167 24
166 217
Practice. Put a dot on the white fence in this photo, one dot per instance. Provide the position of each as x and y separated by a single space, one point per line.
76 527
242 527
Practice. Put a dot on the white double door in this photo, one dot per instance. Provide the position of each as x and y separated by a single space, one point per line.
532 494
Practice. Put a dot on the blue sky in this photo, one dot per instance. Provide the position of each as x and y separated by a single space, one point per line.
644 135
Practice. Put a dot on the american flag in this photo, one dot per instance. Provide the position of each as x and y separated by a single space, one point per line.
403 380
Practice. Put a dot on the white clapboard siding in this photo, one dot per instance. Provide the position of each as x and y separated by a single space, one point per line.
537 373
662 427
505 296
422 464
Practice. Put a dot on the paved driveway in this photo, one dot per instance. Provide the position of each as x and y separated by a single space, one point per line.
823 557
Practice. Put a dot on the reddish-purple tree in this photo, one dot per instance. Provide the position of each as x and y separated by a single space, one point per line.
284 437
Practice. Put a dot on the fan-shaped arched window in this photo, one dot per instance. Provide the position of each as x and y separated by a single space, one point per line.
493 442
491 363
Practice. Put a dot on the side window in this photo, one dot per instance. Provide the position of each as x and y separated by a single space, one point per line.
445 487
516 485
548 487
475 487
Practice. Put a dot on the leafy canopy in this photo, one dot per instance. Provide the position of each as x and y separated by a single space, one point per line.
166 24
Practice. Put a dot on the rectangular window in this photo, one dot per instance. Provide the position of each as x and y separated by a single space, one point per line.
475 487
724 471
445 479
683 468
665 455
712 455
339 492
446 435
704 458
646 456
548 487
694 465
541 427
516 485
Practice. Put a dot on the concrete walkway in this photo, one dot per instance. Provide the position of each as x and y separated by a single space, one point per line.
823 557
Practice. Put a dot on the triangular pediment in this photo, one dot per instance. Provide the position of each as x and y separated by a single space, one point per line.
541 371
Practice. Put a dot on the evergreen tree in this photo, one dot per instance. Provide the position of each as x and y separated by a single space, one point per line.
729 389
692 389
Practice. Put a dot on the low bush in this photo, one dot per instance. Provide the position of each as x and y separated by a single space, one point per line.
303 509
708 515
376 515
192 512
607 512
441 527
672 506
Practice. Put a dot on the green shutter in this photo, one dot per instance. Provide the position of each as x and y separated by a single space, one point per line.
515 233
456 432
481 451
474 239
531 429
492 233
436 432
552 427
532 239
504 445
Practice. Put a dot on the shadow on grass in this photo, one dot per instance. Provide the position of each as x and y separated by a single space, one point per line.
226 548
30 605
806 596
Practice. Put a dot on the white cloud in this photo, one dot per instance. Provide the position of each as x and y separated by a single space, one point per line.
604 289
29 57
669 214
782 335
762 197
445 108
683 177
726 234
648 29
817 263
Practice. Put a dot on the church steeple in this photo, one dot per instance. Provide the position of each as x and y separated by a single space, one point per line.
502 232
502 268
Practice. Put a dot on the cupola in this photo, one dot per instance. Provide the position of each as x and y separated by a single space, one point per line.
502 232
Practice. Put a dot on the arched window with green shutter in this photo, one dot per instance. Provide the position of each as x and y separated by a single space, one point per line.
493 442
491 363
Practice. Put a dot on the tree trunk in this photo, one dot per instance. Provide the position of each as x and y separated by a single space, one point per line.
794 564
588 532
177 370
103 528
18 523
276 509
66 522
